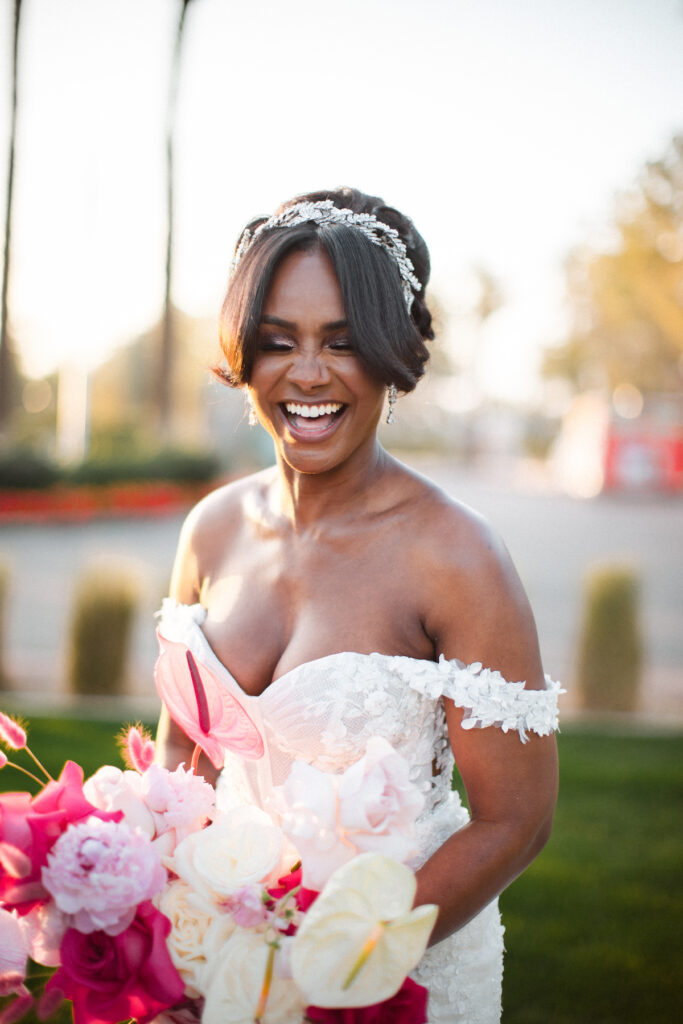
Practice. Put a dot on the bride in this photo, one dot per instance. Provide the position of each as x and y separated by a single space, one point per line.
340 595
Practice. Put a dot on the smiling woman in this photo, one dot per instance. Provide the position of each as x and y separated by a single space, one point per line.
340 598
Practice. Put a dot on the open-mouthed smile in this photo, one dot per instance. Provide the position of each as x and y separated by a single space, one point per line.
310 418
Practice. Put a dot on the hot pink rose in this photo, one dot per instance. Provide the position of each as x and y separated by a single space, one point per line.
30 827
408 1006
115 977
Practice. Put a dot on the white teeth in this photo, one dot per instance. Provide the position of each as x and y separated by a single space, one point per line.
312 411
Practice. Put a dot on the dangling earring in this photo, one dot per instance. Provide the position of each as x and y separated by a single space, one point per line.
392 395
251 419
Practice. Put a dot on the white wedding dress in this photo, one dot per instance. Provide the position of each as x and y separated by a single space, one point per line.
324 712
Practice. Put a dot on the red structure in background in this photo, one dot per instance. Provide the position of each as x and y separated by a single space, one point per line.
645 453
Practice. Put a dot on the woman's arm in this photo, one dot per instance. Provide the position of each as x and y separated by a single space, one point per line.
173 747
481 614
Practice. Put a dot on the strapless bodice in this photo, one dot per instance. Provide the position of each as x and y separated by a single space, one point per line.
324 712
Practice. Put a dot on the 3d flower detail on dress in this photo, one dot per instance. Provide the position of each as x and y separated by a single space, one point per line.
202 707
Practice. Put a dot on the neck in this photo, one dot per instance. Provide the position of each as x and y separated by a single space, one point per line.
308 498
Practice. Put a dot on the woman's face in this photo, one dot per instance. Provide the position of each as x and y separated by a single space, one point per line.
308 387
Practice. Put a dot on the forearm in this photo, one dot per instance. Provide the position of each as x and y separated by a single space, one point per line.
473 866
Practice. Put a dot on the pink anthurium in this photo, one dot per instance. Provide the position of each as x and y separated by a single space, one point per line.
202 706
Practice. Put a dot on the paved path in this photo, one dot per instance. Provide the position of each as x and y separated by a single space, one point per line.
552 538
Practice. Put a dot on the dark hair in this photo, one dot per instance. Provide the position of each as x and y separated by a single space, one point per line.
389 340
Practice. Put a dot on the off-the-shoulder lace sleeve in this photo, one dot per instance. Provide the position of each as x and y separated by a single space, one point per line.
489 699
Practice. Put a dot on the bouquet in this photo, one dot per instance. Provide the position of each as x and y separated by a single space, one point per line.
148 901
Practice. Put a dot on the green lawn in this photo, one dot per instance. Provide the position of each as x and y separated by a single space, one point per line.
594 928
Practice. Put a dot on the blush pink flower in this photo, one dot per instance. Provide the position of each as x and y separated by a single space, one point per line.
201 705
112 978
99 871
307 803
180 803
378 804
371 807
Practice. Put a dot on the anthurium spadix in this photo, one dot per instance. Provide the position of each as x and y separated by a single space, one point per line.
360 938
201 705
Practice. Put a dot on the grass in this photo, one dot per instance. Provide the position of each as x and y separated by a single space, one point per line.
593 928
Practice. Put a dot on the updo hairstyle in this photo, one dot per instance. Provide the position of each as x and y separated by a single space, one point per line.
388 339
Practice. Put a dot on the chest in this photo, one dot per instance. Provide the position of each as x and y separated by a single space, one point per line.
274 605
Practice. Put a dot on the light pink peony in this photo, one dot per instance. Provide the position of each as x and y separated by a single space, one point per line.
110 789
99 871
378 804
180 802
307 803
372 806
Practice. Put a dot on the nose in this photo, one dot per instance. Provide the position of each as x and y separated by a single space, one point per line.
308 370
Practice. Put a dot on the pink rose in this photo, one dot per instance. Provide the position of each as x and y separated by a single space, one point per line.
408 1006
115 977
30 827
378 804
99 871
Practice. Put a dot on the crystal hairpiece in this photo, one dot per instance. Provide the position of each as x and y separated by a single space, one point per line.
325 212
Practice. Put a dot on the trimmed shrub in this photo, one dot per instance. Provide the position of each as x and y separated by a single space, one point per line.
610 647
100 631
169 464
22 469
4 581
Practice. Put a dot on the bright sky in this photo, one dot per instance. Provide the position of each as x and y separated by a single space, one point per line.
503 128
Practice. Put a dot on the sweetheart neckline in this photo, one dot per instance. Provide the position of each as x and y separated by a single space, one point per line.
304 664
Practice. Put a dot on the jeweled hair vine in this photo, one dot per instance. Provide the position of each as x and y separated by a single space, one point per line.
325 212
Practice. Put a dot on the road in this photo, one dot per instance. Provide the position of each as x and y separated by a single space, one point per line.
553 540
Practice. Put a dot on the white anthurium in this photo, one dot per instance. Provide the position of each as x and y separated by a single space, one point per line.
360 939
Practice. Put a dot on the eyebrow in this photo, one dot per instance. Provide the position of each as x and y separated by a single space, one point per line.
333 325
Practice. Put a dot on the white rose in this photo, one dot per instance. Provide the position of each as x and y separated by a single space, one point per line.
378 804
198 931
237 977
242 847
110 789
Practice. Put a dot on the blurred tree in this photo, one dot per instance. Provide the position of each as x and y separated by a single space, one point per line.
167 348
8 370
626 300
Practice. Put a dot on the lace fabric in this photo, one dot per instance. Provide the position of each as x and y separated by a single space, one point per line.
325 711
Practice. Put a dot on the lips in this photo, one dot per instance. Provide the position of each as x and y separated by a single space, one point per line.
312 418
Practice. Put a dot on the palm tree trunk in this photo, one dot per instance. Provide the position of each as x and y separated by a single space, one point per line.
7 369
167 348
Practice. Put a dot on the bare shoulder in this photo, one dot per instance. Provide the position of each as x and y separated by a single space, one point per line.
211 527
475 607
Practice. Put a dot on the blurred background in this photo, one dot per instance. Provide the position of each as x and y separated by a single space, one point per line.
539 148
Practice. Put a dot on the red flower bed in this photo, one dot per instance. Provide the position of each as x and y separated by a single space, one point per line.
106 501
